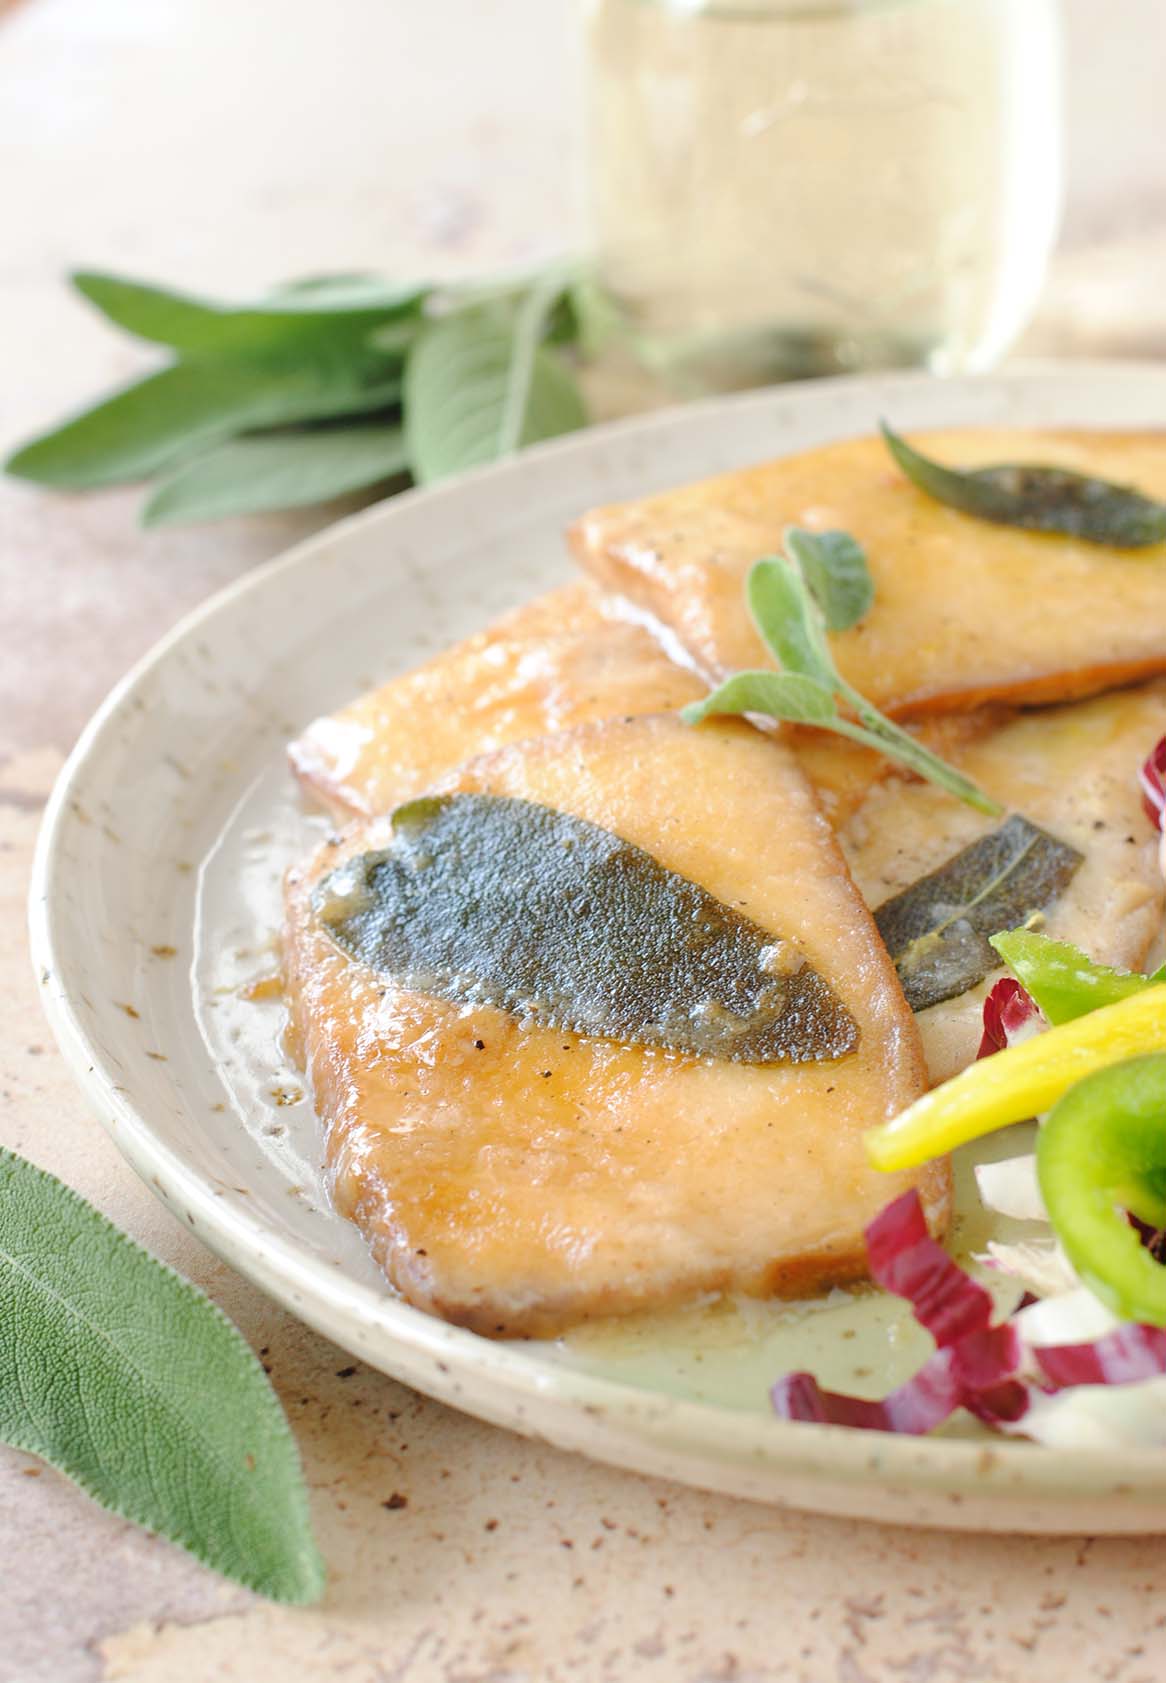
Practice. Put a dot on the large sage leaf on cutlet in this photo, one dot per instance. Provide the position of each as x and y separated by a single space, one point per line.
487 899
1039 498
133 1384
937 931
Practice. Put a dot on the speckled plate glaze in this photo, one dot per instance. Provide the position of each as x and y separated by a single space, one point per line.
156 897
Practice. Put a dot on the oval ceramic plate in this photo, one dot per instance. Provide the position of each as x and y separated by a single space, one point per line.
156 898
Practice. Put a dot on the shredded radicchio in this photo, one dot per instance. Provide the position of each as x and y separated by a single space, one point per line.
983 1368
1152 778
1008 1009
1121 1357
906 1260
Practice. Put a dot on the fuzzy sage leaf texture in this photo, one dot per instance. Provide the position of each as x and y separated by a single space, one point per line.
791 619
490 899
138 1388
479 384
1037 497
833 564
777 695
277 470
351 306
189 407
452 376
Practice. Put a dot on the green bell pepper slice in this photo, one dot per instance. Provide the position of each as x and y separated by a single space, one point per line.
1101 1152
1065 982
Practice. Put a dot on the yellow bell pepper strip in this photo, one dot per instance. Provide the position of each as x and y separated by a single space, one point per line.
1020 1082
1102 1152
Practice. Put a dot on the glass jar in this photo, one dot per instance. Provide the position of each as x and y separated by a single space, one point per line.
783 188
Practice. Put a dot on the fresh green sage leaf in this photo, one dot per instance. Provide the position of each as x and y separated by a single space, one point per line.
780 695
1037 498
167 416
792 624
1065 982
339 307
478 385
789 620
493 900
598 321
507 288
133 1384
833 564
938 930
345 294
876 731
279 470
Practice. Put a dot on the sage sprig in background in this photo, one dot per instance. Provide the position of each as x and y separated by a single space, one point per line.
323 387
137 1387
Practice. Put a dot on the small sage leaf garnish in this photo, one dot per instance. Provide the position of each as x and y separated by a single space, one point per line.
790 617
487 899
938 930
833 564
790 621
1039 498
135 1386
777 695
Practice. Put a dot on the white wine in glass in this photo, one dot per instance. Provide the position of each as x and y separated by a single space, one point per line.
786 188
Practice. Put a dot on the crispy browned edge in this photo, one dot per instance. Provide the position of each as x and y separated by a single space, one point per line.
802 1277
1048 689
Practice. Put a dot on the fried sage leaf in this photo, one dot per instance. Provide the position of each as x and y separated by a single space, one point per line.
1040 498
487 899
937 931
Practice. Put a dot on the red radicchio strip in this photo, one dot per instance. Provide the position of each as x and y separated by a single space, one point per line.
1120 1357
1007 1009
1152 778
906 1260
976 1373
975 1365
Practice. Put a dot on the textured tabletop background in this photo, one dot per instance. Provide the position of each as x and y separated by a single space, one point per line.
230 143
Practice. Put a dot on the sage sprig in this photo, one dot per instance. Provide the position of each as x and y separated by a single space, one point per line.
789 597
137 1387
325 386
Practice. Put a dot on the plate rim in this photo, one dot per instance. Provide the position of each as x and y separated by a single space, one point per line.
315 1293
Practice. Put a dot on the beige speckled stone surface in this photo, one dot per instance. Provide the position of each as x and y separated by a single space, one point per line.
229 142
